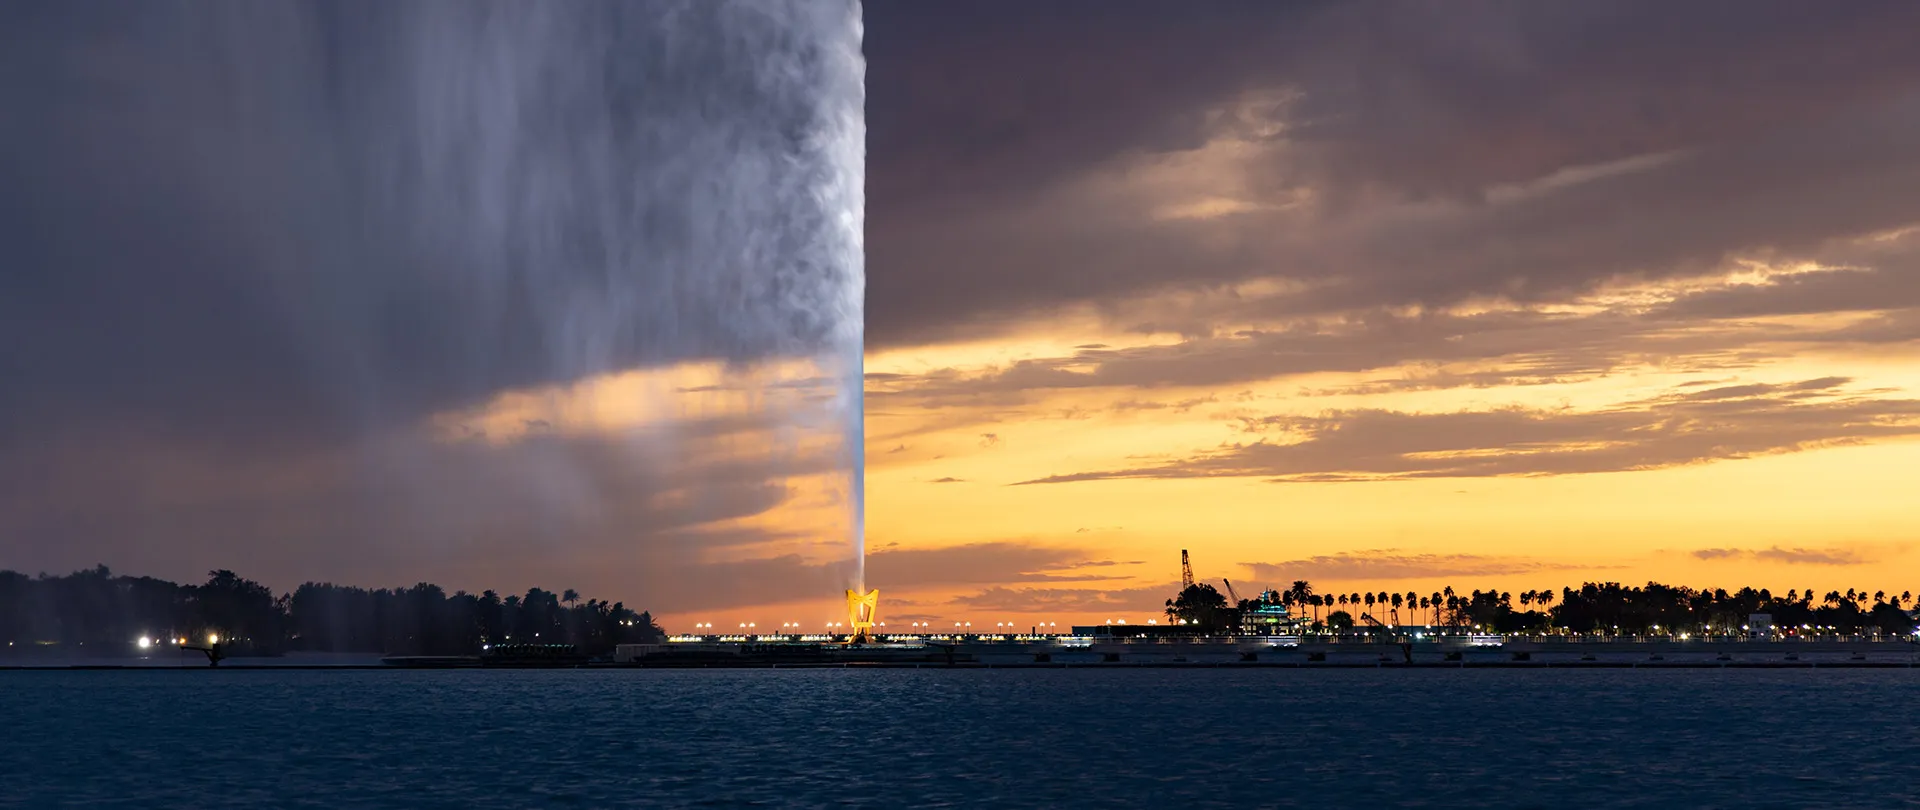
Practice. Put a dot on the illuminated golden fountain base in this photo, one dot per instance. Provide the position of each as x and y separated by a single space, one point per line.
861 610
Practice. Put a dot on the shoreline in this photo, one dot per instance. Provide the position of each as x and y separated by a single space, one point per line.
1015 665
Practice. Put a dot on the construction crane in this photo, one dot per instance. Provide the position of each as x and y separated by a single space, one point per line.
1186 571
1230 594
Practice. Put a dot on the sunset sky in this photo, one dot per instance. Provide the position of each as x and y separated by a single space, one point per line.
1385 297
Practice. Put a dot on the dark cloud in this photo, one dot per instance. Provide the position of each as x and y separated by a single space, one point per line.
791 578
1802 556
1180 406
1526 348
1389 564
601 513
247 250
1103 563
1374 445
977 563
1793 556
1459 150
1762 390
1069 601
326 219
979 101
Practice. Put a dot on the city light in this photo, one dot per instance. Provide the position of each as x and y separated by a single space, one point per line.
213 638
145 642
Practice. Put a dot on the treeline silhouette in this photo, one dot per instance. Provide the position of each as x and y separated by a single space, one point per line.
1593 607
94 612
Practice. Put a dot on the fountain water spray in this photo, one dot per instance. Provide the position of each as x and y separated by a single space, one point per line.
649 181
464 197
355 238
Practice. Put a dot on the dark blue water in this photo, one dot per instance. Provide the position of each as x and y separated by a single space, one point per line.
994 738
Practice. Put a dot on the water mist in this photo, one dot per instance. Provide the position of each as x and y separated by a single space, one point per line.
640 182
421 205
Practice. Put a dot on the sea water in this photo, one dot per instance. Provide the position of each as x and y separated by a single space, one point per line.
974 738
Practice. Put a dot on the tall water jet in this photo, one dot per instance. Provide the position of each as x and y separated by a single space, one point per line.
847 135
660 180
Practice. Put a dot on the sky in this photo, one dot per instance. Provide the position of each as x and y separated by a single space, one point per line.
1384 297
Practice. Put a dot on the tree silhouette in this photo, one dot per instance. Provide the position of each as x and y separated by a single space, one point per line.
100 611
1200 604
1339 621
1302 592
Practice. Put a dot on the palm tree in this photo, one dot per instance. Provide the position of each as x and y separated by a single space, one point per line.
570 596
1301 589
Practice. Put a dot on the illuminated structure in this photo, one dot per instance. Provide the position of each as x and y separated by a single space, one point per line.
861 609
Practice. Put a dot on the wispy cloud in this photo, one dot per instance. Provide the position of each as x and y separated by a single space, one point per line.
1066 601
1387 564
1796 556
1679 429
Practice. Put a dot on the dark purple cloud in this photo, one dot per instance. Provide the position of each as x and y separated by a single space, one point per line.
1791 556
1685 428
1390 564
1634 138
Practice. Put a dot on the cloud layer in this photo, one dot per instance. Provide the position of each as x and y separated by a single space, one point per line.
326 290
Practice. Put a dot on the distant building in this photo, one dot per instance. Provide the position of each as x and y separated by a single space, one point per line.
1759 625
1270 620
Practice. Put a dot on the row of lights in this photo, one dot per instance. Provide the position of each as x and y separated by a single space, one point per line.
917 626
144 642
